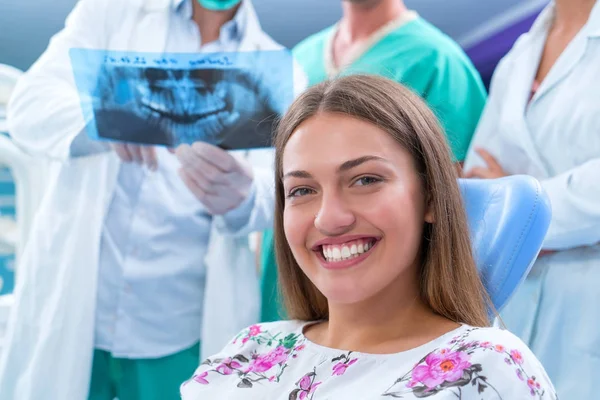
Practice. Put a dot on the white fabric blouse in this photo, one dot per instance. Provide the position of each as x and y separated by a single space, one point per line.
275 361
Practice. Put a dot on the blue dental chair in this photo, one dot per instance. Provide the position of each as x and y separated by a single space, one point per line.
508 218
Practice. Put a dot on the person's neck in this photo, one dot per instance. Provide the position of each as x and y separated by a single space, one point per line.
389 323
360 21
571 15
210 22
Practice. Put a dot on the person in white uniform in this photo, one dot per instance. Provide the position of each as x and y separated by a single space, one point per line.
138 257
543 119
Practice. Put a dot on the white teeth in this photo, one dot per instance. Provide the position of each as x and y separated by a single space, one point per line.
345 252
336 253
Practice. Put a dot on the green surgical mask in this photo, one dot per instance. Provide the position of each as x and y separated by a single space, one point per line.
218 5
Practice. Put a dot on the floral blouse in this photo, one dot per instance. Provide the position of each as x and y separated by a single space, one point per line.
275 361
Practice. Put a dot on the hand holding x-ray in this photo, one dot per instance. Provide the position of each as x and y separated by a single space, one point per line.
140 154
217 179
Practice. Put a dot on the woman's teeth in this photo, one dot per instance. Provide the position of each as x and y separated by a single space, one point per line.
335 253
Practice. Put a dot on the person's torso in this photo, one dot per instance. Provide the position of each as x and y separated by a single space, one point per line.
276 361
155 238
407 51
412 52
559 128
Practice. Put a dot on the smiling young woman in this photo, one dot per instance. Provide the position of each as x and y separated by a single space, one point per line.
376 266
371 161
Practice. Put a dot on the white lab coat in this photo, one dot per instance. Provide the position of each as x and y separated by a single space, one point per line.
556 138
50 338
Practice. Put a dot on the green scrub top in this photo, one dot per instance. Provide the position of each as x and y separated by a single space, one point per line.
419 56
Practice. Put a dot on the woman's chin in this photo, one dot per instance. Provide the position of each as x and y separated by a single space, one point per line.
344 295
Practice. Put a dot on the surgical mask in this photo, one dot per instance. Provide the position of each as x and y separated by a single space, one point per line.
218 5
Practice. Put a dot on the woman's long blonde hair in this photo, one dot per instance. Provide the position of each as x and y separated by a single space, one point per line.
449 279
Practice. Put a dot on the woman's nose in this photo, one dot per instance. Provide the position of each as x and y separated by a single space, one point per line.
335 217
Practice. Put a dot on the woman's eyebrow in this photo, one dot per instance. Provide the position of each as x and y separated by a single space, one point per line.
345 166
348 165
297 174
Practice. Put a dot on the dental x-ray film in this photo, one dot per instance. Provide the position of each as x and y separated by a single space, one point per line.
229 100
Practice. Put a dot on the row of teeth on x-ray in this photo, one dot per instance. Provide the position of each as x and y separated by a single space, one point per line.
185 103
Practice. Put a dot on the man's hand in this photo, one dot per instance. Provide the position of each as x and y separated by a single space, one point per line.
219 181
546 252
143 155
492 171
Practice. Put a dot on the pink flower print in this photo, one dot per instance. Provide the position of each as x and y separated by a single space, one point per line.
517 357
301 347
499 348
486 345
305 382
533 385
254 330
265 362
444 366
227 366
201 379
340 368
536 384
307 387
520 375
472 344
245 340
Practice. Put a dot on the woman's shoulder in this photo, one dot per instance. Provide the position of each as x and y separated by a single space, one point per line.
249 355
482 363
495 360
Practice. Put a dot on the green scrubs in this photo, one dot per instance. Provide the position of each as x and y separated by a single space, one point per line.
148 379
422 58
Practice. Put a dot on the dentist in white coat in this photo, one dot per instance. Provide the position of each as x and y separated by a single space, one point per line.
130 266
543 119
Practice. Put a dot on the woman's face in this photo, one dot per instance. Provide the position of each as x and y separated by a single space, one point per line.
354 208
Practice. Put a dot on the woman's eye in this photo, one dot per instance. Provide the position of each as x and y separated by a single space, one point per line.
366 180
298 192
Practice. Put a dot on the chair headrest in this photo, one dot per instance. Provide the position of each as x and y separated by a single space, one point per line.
508 219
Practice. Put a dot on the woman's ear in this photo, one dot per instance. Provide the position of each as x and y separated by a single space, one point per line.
429 214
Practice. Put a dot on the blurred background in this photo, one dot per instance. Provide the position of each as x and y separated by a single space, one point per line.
27 25
485 29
